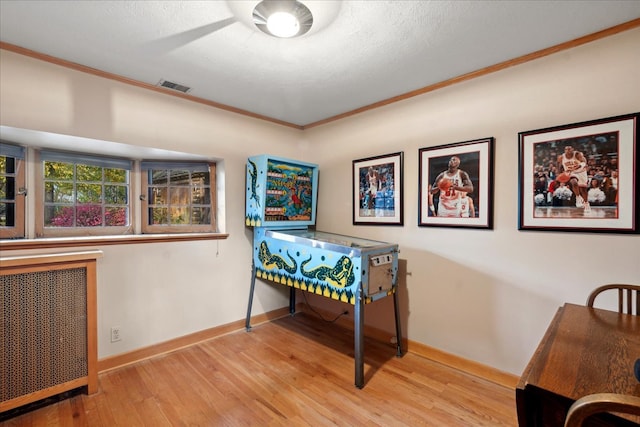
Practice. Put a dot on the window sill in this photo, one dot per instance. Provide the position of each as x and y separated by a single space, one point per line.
65 242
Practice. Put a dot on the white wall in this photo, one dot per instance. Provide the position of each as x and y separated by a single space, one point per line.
488 295
484 295
154 292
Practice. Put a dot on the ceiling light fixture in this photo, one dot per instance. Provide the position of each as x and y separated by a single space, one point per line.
282 18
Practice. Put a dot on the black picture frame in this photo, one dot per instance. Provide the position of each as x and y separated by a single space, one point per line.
453 207
378 190
590 171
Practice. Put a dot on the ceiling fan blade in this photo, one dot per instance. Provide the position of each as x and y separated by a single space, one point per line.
175 41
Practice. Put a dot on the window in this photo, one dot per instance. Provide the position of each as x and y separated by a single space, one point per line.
178 197
75 194
12 191
83 195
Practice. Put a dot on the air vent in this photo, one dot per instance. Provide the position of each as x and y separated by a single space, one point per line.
174 86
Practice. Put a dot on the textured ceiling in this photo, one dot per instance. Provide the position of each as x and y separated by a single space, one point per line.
358 53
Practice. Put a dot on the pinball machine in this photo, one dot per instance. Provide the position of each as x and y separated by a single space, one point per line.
281 197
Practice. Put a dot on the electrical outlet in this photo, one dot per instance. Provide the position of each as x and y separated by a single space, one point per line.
115 334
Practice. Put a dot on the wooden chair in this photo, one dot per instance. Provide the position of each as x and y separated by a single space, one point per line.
628 297
597 403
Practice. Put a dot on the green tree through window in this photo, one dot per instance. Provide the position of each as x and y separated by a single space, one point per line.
84 193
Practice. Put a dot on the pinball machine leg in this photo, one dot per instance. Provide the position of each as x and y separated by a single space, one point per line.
396 311
253 286
358 319
292 301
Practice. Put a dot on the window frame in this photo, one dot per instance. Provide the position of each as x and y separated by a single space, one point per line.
18 230
44 232
147 228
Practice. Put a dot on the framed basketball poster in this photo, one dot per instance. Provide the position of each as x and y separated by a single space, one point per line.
456 185
377 190
580 177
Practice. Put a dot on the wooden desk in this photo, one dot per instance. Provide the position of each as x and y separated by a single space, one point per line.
584 351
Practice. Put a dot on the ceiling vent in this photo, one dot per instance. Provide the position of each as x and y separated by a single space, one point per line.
174 86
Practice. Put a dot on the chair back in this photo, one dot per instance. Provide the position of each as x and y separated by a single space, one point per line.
628 297
597 403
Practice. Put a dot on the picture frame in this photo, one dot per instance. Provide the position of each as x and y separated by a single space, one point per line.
378 190
442 199
590 172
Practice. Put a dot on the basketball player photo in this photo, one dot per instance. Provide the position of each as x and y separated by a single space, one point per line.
580 177
455 184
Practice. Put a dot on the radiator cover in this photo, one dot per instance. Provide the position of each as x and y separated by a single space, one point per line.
47 327
43 329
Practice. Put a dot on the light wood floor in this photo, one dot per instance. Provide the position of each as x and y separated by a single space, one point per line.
294 371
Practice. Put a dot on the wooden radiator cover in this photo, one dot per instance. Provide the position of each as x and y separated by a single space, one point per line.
48 341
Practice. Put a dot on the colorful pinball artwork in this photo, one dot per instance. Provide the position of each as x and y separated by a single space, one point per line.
280 192
324 269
